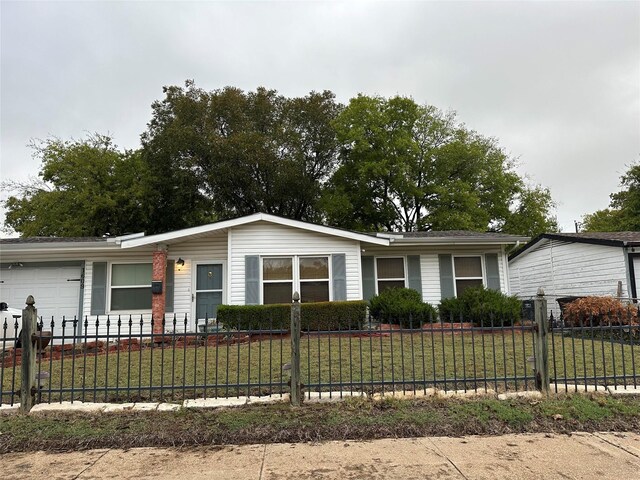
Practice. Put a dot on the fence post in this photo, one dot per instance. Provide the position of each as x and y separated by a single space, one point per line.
295 351
542 350
28 385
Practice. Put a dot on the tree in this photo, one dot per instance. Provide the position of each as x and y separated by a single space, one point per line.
530 213
84 188
228 153
408 167
623 213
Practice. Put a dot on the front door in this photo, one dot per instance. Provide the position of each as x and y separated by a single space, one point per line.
209 281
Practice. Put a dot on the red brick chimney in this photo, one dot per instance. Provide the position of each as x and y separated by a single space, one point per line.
158 299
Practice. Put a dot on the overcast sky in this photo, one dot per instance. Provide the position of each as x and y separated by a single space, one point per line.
557 83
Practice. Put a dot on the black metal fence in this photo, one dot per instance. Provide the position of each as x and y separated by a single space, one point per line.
122 359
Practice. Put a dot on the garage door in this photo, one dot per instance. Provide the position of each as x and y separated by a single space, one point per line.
56 291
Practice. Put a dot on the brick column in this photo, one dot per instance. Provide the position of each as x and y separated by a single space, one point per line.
158 299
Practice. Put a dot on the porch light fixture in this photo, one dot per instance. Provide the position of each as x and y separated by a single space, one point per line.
180 263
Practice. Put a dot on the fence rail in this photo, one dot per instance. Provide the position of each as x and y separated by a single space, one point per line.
124 361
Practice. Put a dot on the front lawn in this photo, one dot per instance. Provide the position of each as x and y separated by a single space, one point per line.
368 363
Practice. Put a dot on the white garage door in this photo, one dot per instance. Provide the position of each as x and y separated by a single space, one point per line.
56 291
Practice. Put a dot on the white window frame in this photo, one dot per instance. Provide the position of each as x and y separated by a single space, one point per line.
375 269
456 278
296 281
308 280
263 281
110 287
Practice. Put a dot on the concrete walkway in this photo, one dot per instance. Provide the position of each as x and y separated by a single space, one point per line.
539 456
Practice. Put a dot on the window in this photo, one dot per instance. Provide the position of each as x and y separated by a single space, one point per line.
308 275
131 286
314 279
390 273
277 279
467 273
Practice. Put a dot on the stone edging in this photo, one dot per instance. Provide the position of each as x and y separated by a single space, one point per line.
312 397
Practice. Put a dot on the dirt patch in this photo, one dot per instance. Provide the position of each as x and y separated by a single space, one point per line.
351 420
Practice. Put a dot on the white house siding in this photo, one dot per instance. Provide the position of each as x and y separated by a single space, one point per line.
636 268
565 268
212 247
430 267
119 256
269 239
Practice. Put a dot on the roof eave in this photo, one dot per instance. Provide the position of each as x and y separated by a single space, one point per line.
59 247
458 241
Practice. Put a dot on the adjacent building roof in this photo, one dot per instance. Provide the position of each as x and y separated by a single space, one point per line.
614 239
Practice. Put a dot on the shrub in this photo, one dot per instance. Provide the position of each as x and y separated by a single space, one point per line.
401 306
482 306
313 316
600 311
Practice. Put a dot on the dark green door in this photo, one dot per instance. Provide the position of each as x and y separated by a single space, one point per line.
209 283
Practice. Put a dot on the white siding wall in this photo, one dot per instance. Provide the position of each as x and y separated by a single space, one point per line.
564 268
430 267
209 248
102 319
269 239
636 268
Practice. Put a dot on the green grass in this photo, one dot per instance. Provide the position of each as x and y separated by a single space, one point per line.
346 362
355 419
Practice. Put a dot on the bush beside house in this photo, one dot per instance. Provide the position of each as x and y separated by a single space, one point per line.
401 306
596 311
482 306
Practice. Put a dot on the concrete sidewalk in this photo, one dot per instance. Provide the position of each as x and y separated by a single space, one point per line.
579 456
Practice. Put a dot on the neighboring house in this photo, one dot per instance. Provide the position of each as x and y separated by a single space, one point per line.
257 259
577 264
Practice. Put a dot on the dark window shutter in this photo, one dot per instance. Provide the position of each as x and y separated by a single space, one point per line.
339 276
415 278
446 276
170 288
368 278
493 271
99 288
251 280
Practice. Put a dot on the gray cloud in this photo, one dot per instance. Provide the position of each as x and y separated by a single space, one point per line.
557 83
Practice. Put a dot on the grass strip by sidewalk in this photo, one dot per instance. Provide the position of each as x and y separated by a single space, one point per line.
352 419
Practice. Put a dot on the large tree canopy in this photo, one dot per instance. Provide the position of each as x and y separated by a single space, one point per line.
85 188
623 213
232 153
376 164
410 167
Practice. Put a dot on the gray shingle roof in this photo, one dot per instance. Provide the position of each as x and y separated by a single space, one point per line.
452 234
7 241
614 239
629 237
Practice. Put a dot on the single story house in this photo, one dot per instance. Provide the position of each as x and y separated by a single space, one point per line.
256 259
577 264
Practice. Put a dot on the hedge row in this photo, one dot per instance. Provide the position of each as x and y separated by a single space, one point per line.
314 316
